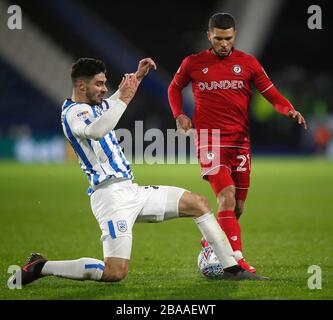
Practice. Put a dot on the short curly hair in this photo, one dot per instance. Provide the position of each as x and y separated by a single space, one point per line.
221 20
87 68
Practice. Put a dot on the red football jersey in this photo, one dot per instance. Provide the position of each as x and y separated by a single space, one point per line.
222 93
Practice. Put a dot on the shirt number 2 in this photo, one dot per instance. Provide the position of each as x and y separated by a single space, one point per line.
243 159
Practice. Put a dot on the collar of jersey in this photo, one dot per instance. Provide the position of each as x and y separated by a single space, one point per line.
69 102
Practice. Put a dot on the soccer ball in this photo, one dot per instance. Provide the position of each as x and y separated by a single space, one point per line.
208 263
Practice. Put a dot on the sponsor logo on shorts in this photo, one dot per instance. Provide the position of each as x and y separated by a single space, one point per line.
122 225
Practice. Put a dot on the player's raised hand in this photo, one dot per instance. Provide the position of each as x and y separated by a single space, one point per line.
128 87
297 116
184 124
144 66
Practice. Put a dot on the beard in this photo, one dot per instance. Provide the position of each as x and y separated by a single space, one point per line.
221 54
93 98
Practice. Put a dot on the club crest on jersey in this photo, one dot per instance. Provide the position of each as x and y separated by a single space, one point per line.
122 225
237 69
205 70
210 155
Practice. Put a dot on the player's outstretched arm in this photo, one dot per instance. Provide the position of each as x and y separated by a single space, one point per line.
183 123
128 87
283 105
108 120
297 116
268 90
143 68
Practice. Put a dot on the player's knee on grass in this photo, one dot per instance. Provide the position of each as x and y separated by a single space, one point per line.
193 205
116 269
226 198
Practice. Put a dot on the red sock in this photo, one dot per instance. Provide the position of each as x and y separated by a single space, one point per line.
229 224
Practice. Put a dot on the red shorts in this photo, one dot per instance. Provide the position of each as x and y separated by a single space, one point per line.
225 166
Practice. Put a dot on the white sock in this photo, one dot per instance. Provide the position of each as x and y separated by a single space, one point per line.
216 237
81 269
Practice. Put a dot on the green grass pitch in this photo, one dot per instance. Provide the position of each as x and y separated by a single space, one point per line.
287 227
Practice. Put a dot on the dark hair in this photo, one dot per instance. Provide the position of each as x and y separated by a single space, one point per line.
87 68
221 20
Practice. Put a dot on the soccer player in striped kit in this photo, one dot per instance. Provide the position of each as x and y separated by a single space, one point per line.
221 78
117 203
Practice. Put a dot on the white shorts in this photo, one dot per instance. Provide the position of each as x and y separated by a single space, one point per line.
119 205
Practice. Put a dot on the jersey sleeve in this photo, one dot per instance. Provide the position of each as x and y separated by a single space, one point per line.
107 103
179 81
259 77
78 118
279 102
265 86
182 76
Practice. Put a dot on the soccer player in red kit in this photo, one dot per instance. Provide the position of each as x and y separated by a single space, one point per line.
221 78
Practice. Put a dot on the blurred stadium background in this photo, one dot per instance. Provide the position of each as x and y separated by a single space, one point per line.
36 60
288 222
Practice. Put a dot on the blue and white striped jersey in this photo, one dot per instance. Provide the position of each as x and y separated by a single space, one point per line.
100 160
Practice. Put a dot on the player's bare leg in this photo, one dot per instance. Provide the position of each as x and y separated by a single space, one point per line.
196 206
193 205
116 269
